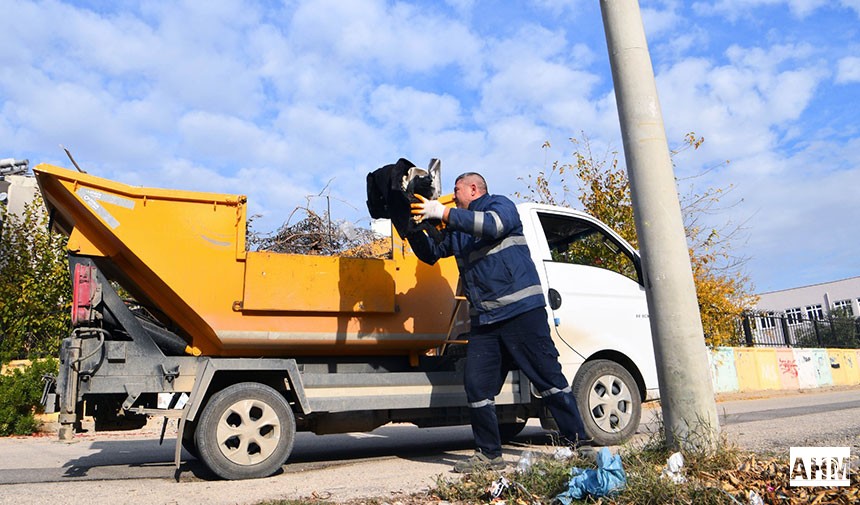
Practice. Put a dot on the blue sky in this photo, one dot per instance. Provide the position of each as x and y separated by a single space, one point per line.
278 99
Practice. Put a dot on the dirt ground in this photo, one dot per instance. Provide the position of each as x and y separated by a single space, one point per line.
390 479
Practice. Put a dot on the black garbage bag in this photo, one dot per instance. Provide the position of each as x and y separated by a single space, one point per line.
387 198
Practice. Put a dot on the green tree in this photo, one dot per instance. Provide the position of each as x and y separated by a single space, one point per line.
723 290
34 286
20 392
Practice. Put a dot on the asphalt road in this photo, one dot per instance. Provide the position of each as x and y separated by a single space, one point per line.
132 467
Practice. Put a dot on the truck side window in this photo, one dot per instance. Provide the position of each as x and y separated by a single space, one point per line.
579 242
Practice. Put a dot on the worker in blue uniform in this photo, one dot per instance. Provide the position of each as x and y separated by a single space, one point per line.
507 309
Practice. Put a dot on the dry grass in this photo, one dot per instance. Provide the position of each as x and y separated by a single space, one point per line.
719 475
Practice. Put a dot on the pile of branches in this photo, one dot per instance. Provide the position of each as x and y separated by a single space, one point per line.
317 234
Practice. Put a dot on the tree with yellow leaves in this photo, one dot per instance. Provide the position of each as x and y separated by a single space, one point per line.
723 290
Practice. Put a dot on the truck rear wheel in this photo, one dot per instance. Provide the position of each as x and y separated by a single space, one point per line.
609 400
246 431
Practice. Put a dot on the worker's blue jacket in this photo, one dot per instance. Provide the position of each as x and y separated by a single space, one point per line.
498 274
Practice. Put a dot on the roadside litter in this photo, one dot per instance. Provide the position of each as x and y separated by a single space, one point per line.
674 469
562 453
607 478
527 459
498 487
755 499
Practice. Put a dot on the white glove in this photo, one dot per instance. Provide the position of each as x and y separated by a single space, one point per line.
427 209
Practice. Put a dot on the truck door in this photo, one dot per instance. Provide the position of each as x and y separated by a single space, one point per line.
595 294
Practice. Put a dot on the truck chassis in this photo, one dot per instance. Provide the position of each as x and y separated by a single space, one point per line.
240 415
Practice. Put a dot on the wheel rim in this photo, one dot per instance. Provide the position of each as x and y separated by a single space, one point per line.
248 432
611 403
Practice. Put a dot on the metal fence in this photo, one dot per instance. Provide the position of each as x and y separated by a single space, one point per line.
768 329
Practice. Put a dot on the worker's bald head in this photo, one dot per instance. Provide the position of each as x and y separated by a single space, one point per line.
469 186
473 177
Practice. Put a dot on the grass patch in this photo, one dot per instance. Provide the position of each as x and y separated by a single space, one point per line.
540 483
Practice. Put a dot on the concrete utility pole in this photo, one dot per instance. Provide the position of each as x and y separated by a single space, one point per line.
689 410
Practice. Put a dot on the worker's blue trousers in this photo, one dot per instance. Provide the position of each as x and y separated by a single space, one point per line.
520 342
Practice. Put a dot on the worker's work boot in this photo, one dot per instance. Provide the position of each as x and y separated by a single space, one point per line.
480 462
584 443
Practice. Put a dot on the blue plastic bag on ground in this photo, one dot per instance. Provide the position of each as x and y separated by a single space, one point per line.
608 477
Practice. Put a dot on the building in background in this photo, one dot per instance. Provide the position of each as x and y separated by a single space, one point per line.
16 189
815 301
798 316
22 190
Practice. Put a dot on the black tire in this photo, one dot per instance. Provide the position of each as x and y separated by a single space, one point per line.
246 431
507 431
609 400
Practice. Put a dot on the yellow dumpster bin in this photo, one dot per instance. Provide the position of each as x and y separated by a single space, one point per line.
184 253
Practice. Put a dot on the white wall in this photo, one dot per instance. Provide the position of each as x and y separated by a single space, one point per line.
824 294
22 190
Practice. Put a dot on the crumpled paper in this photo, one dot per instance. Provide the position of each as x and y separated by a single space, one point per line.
608 477
562 453
755 499
498 487
674 469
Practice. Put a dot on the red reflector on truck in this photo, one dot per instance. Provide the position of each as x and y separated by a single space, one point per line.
82 294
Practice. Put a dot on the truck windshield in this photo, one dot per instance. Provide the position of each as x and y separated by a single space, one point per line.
579 242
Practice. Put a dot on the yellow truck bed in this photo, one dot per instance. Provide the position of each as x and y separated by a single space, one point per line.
184 252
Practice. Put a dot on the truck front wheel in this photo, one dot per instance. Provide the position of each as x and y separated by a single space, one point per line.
609 401
246 431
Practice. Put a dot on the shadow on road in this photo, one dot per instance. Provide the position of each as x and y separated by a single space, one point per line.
144 458
123 459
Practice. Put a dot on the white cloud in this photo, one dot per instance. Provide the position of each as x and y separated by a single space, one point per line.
513 142
413 109
658 21
463 7
801 9
86 118
679 45
530 42
321 141
273 193
191 53
548 90
558 7
742 107
848 70
459 150
533 74
404 38
749 111
734 9
851 4
228 140
801 214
